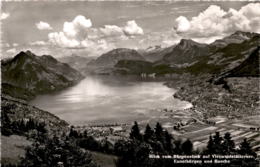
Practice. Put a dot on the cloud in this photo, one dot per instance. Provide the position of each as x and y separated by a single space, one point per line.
74 34
79 33
60 39
183 24
38 43
77 28
112 30
43 26
4 16
214 21
132 28
6 45
15 44
11 51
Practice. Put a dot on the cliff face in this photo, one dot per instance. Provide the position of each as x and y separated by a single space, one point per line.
27 75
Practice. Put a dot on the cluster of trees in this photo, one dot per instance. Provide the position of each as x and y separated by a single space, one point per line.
57 152
160 141
135 152
63 150
85 141
70 149
20 127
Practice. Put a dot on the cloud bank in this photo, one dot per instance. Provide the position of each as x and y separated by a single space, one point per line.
43 26
4 16
132 28
214 21
11 51
79 33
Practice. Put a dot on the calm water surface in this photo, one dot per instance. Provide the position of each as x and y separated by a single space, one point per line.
106 99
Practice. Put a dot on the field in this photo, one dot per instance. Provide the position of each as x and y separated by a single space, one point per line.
239 130
104 160
13 147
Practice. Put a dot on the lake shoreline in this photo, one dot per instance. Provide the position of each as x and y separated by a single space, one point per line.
123 99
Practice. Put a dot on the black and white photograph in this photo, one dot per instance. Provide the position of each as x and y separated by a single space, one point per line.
130 83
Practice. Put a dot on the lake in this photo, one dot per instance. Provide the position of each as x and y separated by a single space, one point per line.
110 99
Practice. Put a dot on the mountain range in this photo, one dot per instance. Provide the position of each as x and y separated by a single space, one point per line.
191 57
27 75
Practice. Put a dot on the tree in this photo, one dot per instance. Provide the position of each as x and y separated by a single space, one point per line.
135 154
56 152
210 146
148 133
89 143
168 145
177 147
187 147
217 140
6 125
245 148
73 133
135 132
228 145
158 131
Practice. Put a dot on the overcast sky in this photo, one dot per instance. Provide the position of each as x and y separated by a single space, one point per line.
91 28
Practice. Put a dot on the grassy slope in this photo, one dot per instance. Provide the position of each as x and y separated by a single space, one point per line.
104 160
13 147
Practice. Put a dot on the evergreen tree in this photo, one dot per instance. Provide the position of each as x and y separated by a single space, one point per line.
148 133
245 148
217 146
210 146
228 145
187 147
135 132
41 127
22 126
6 125
158 131
73 133
168 145
177 147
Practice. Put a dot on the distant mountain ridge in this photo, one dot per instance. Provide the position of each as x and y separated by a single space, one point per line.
110 58
156 53
105 63
237 37
187 51
33 74
75 61
226 58
195 58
